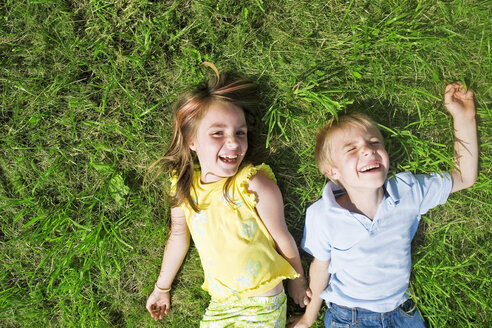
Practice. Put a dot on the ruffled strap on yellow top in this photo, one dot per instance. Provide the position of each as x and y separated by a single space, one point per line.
249 172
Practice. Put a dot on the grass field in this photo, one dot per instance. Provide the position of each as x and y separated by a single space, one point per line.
86 92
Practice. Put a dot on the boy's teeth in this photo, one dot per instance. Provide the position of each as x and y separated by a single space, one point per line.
370 167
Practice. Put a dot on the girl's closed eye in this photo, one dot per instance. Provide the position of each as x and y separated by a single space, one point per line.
217 134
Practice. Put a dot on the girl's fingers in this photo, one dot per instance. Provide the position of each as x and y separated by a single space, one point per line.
155 311
159 311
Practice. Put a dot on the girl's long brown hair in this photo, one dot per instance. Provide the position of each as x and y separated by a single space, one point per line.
178 159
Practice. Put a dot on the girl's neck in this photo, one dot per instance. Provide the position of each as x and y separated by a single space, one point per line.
209 177
364 202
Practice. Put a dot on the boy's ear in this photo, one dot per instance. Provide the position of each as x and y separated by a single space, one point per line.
332 173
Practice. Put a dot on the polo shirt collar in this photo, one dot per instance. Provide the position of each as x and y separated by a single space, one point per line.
391 197
329 192
391 194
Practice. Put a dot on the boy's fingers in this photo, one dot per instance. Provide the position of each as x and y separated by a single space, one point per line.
448 88
449 93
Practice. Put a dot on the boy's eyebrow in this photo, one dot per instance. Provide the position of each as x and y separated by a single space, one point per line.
351 143
348 144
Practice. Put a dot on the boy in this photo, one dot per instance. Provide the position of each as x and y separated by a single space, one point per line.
361 229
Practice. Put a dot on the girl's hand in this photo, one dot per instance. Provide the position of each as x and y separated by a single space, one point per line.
158 304
458 101
298 290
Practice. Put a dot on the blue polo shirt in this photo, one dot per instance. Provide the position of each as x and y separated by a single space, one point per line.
370 259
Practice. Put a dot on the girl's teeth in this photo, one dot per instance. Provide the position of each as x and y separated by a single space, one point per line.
229 158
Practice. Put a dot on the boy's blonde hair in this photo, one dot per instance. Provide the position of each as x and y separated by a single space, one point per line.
322 151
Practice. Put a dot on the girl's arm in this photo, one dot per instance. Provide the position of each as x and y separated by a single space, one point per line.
177 246
461 106
318 280
270 208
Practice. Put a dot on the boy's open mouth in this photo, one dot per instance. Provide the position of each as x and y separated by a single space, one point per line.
370 168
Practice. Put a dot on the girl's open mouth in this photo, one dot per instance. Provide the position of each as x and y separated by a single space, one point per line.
229 159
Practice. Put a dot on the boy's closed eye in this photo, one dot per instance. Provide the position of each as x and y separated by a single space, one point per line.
349 148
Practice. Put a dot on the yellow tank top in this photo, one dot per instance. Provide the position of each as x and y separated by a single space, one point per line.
236 250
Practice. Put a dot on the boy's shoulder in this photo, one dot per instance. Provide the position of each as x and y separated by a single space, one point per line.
327 199
407 180
406 177
327 220
401 180
419 189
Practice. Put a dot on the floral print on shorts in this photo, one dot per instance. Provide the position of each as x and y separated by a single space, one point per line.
252 312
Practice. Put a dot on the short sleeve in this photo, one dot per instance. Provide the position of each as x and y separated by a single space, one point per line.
316 238
434 188
245 176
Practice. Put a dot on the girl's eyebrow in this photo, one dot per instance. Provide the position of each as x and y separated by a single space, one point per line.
223 125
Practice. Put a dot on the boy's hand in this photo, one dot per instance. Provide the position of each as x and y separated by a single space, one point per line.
297 321
461 106
458 101
158 304
298 290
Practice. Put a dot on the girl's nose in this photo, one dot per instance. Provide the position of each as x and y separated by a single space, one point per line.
232 141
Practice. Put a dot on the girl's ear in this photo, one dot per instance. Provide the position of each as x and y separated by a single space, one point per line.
191 144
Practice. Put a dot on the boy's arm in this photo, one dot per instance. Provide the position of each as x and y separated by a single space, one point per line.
318 280
461 106
177 246
270 208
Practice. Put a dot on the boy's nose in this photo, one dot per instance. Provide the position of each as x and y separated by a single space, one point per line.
367 150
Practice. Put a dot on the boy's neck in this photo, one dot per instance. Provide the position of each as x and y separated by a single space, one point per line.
365 202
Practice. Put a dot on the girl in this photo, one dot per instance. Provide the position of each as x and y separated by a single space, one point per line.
233 211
